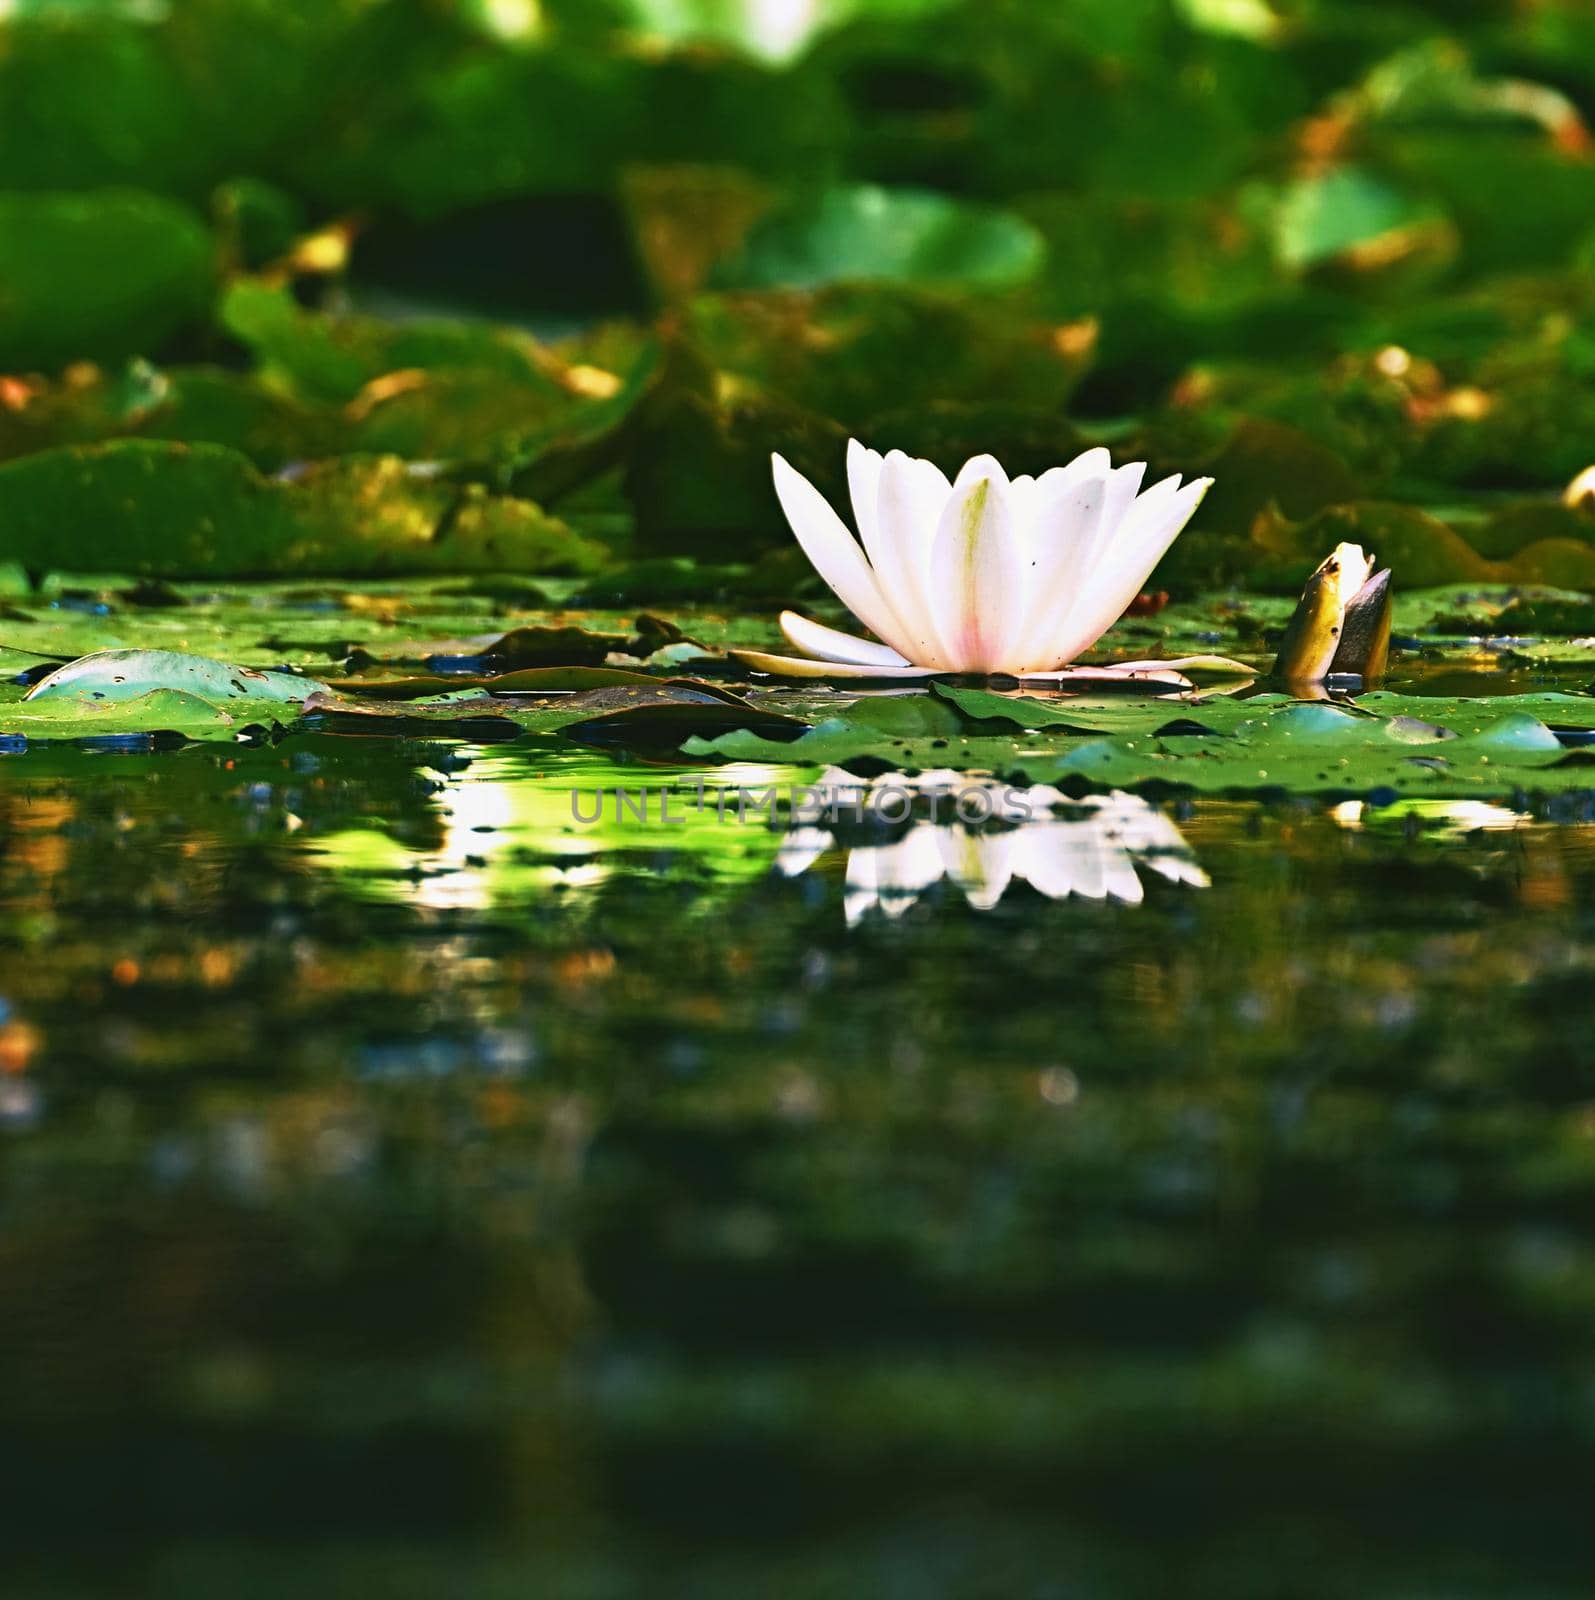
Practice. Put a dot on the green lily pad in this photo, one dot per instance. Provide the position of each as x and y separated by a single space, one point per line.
113 677
1321 749
189 511
108 274
867 233
156 711
656 714
333 358
1349 210
191 405
1401 742
124 692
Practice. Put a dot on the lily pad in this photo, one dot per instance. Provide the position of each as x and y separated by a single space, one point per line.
156 711
655 714
902 235
333 359
125 692
189 511
112 677
60 296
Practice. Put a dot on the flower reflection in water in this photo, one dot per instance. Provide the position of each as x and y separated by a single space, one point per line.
984 836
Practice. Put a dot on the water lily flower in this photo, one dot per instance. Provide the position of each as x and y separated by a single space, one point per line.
1088 848
983 574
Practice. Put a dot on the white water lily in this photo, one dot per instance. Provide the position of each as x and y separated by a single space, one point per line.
1092 850
983 574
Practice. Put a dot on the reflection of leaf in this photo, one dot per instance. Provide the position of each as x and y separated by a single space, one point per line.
865 233
109 274
177 510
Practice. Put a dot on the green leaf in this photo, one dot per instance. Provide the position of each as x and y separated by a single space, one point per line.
117 692
865 233
156 711
190 511
111 677
1347 210
333 358
103 275
192 405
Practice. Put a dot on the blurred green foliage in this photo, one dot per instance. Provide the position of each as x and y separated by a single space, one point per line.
610 253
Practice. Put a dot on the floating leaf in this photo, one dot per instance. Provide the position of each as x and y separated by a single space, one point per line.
156 711
658 714
109 677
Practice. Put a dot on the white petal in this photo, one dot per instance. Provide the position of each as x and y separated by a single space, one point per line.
833 671
1198 667
828 644
1123 488
910 500
863 487
1093 463
1066 517
834 551
1125 565
978 467
1076 529
976 578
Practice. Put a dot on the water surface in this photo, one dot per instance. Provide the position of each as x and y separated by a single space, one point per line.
410 1190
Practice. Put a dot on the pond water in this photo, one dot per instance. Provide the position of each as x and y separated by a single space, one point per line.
409 1189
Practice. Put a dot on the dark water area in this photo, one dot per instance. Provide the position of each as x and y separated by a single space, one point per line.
405 1189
